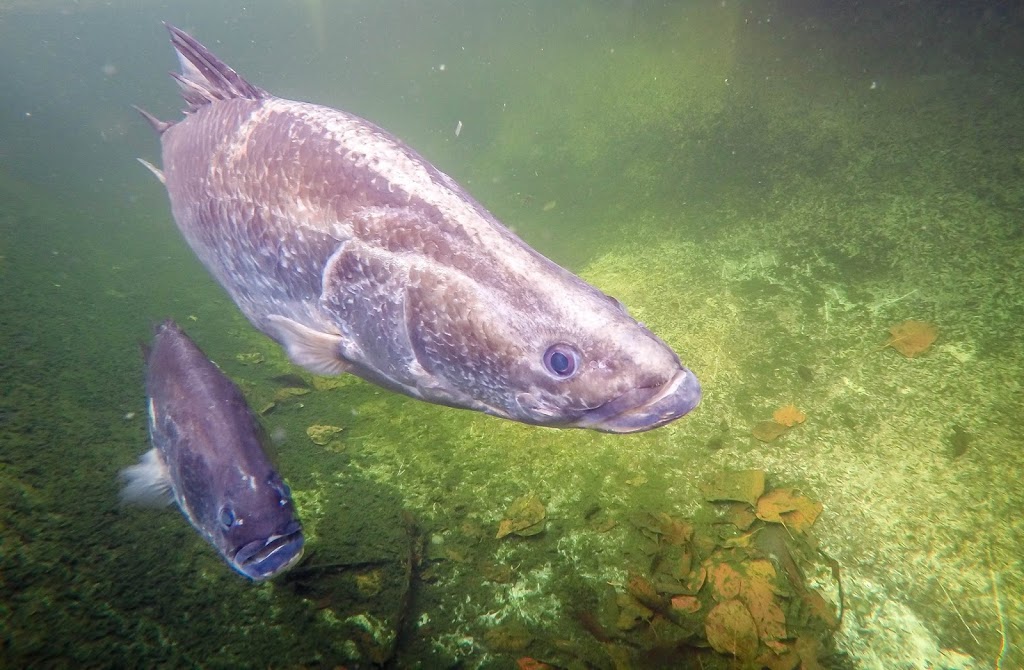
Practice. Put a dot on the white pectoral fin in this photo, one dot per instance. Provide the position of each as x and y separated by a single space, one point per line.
316 351
148 482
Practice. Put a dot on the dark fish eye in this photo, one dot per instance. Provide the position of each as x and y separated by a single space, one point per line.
561 360
227 517
283 491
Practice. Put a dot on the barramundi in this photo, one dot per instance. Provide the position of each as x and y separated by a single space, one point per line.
357 255
208 457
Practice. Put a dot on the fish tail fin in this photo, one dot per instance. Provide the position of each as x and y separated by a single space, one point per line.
148 482
204 78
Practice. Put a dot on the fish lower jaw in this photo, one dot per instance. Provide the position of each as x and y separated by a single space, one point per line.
676 398
263 560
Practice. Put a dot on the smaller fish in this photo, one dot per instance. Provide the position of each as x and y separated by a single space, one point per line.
208 457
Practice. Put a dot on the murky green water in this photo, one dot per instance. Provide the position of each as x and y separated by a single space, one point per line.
769 187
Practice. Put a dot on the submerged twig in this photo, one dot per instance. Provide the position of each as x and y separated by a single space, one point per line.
955 609
999 611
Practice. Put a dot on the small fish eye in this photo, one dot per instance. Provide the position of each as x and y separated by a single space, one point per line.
283 491
227 517
561 360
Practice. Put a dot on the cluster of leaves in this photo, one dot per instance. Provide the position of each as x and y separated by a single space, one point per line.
727 587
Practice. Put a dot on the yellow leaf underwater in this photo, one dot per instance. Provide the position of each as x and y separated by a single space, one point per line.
785 506
911 338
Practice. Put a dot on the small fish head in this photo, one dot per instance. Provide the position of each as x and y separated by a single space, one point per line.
255 526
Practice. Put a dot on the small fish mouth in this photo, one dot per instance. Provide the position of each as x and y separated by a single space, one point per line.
263 559
647 408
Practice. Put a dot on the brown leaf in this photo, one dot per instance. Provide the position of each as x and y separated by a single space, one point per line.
675 531
785 506
725 581
808 648
740 514
789 416
786 659
525 516
758 594
731 630
687 604
766 431
741 486
910 338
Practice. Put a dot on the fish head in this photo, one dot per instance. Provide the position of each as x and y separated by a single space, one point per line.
600 369
558 353
254 525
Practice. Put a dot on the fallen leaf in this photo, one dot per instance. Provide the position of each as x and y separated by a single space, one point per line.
686 604
322 435
643 590
742 486
911 338
758 593
766 431
675 531
789 416
785 506
524 517
508 638
785 660
695 580
821 609
731 630
725 581
808 648
740 514
631 612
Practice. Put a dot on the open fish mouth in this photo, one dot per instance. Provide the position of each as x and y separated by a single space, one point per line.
264 559
646 408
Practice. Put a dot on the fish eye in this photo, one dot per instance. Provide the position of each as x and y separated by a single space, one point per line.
561 360
227 517
283 491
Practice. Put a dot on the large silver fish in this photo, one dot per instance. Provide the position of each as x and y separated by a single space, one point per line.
357 255
208 457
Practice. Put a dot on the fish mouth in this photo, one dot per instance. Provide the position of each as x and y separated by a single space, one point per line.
646 408
263 559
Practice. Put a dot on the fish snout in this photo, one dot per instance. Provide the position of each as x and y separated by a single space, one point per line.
264 558
647 408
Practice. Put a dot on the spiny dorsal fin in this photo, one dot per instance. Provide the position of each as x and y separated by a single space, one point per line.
204 78
155 123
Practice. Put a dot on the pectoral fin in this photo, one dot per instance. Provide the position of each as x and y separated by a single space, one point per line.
316 351
148 482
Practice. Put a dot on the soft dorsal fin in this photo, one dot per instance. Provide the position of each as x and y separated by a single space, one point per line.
204 78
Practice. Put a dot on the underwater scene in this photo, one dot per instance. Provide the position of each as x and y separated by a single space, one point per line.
817 206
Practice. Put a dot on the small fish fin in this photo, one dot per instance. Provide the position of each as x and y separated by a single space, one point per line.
154 169
154 123
148 482
204 78
312 349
